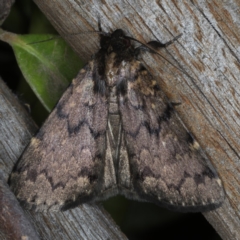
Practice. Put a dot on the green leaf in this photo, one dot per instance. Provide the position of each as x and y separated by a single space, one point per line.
47 63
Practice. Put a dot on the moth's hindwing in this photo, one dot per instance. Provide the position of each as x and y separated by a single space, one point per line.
64 160
167 166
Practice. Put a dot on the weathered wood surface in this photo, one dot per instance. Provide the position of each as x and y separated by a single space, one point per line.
88 222
16 129
5 7
208 51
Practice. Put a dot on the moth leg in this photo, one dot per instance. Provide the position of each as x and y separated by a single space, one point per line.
174 104
152 46
156 44
99 24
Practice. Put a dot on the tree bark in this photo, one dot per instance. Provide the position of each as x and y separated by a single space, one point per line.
208 85
16 130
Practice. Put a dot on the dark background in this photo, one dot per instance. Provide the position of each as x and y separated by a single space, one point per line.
137 220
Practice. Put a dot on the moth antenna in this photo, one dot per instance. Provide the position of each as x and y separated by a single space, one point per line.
69 35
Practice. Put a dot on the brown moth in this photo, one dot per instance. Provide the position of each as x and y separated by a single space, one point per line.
114 132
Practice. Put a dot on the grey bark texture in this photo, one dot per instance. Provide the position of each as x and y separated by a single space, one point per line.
16 129
5 7
208 51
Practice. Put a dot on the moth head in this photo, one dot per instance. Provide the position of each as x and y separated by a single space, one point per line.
118 42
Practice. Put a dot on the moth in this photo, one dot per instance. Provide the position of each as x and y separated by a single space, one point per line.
114 132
